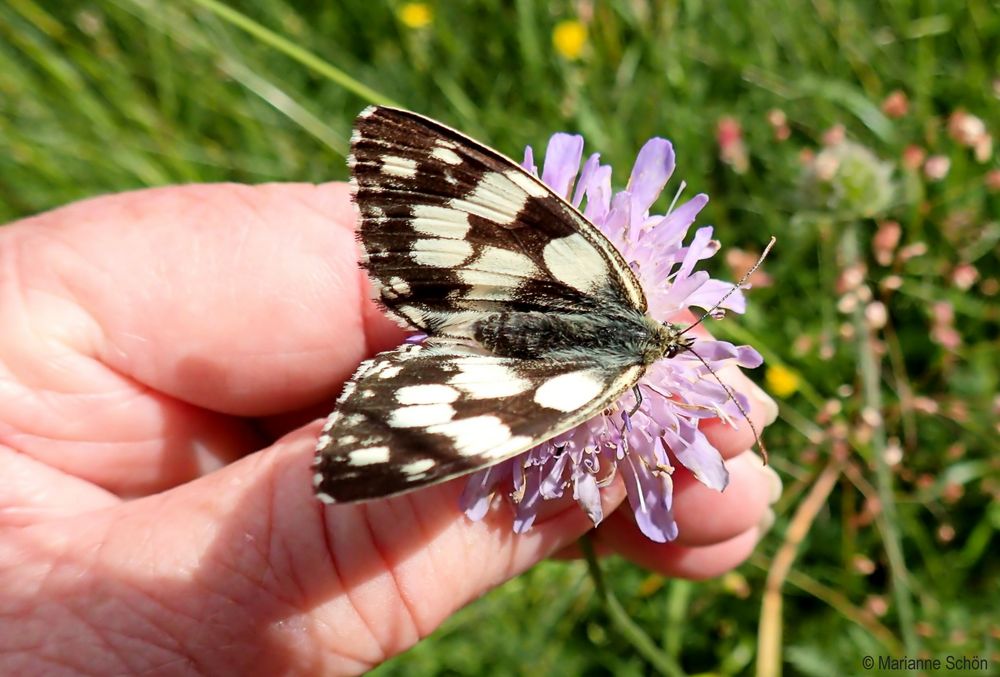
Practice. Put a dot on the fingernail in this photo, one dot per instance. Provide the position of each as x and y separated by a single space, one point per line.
774 484
765 523
770 406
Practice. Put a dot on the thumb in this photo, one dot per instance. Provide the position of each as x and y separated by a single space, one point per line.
243 569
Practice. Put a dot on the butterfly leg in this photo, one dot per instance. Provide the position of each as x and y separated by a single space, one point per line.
627 417
638 399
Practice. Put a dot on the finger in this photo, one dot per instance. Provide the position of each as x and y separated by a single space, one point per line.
241 299
32 492
122 313
694 563
705 516
288 584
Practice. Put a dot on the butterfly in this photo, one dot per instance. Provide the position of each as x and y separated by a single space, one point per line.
534 323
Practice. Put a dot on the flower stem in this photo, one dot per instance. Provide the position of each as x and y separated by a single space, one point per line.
869 369
769 634
643 644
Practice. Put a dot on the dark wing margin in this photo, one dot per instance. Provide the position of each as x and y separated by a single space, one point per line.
421 414
452 229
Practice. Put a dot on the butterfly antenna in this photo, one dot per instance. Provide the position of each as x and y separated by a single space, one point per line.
732 396
738 285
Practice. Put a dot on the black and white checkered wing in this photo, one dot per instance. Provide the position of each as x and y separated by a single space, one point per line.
452 229
504 276
422 414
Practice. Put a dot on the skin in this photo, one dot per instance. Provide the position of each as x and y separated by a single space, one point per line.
164 359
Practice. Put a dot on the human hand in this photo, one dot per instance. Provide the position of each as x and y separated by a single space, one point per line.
151 343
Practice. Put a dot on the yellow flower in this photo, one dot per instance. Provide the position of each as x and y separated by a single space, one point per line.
415 14
781 381
569 38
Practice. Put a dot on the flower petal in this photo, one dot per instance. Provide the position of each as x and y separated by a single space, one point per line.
598 193
693 450
652 169
562 162
527 508
748 357
478 492
651 499
587 175
553 483
616 223
674 226
709 294
702 237
588 495
529 161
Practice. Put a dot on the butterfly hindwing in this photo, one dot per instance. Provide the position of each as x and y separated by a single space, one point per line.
421 414
452 229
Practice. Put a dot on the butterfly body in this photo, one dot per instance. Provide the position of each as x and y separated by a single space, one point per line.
619 339
535 323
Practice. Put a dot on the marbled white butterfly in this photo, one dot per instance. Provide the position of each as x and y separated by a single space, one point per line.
534 322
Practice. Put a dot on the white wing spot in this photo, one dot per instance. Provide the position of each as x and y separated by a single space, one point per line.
497 267
453 324
371 367
418 467
368 456
495 197
390 372
575 262
399 166
440 253
323 441
482 436
421 415
484 380
446 155
486 292
528 184
431 393
326 498
439 221
349 387
399 285
331 421
569 392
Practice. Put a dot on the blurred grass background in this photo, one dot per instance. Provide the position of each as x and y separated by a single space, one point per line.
858 133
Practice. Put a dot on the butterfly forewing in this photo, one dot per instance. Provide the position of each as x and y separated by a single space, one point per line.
452 229
457 237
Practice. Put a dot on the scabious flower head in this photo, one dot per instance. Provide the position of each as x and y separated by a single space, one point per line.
646 446
848 180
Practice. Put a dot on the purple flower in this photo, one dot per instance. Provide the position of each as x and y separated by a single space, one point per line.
676 393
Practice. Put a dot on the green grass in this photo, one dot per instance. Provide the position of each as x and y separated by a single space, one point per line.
121 94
